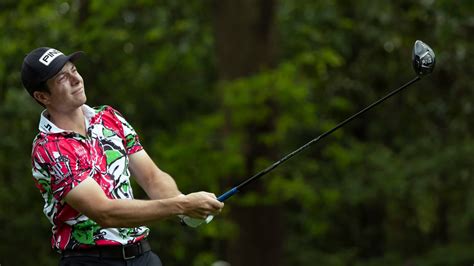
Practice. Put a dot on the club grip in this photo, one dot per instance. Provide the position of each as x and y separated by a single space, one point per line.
227 194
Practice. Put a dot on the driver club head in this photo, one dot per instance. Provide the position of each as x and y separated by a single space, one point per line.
423 58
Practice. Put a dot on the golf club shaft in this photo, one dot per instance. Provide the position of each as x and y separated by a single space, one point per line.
246 182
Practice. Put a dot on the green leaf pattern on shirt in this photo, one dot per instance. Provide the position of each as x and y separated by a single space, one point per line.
84 231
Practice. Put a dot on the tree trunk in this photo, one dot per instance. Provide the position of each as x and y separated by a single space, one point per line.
244 34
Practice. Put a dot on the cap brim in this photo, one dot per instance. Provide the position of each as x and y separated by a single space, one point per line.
74 56
60 64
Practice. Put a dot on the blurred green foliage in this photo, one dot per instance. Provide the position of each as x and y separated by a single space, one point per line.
394 187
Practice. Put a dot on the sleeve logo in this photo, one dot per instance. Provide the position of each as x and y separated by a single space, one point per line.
61 168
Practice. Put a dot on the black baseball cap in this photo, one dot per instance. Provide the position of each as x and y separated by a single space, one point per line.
42 64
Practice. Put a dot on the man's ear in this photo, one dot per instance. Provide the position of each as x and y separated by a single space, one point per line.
42 97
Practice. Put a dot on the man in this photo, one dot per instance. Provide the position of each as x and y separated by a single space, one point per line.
82 160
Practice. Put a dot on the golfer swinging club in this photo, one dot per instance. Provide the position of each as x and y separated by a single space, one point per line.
82 160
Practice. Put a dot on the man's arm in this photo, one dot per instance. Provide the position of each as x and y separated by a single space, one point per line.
89 199
156 183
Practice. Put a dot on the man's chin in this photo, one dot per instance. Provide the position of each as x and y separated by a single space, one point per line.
84 100
81 102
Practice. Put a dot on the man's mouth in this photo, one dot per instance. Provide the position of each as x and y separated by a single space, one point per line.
78 90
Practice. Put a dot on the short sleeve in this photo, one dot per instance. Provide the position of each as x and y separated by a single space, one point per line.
132 142
59 167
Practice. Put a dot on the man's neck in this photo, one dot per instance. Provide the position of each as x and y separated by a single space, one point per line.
71 121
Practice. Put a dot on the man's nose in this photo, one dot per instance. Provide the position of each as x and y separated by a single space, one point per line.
74 77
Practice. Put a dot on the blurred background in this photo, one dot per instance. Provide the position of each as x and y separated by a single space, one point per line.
218 90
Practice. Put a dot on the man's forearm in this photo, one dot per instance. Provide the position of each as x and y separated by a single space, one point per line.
156 183
132 213
162 186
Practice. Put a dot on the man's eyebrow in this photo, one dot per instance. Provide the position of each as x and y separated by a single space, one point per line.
63 71
59 73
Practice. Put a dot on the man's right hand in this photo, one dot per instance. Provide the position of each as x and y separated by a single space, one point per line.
201 204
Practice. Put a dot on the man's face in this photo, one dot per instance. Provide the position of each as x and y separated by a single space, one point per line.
66 89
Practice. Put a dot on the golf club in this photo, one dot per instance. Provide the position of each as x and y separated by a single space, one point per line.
423 59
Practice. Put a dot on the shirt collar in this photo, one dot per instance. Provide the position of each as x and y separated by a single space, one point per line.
48 127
